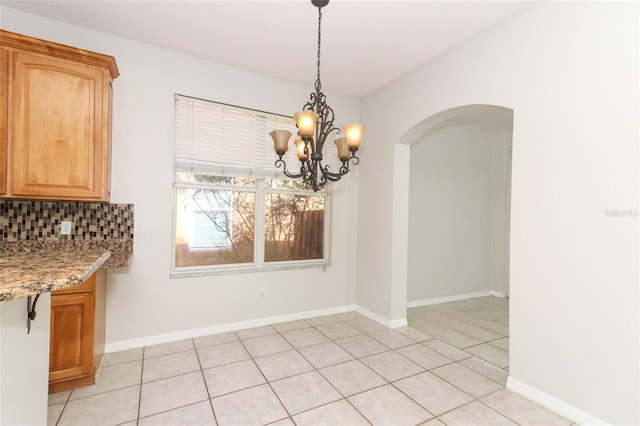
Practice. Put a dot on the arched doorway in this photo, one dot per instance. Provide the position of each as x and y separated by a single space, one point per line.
454 217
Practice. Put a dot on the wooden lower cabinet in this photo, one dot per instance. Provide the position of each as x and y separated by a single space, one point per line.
77 333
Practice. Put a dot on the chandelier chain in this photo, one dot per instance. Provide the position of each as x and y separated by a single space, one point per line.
318 83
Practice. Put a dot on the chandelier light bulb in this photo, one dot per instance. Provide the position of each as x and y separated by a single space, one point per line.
306 122
353 133
302 155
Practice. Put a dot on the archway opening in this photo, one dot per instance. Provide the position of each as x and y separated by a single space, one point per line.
457 205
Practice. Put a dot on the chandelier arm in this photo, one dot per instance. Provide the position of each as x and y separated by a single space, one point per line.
322 181
310 105
325 125
280 163
320 139
325 134
324 128
329 176
344 169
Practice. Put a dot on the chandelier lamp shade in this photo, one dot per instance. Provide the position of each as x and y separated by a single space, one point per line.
315 124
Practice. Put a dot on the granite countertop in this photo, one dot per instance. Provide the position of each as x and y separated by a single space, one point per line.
29 273
121 249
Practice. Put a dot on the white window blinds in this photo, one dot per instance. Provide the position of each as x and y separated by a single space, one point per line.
211 136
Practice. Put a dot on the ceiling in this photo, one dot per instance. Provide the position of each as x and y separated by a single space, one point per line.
365 44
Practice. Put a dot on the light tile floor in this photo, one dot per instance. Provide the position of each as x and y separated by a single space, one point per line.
448 367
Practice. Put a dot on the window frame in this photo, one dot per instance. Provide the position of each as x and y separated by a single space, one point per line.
260 175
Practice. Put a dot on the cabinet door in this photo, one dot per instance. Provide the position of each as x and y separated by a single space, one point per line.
58 132
4 104
71 347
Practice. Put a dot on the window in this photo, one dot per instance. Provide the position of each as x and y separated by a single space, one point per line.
233 211
211 222
293 222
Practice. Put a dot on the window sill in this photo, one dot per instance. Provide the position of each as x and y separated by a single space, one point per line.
201 271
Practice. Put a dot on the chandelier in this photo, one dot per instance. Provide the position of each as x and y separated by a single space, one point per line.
315 124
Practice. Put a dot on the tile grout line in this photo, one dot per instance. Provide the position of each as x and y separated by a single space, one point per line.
267 382
206 385
66 401
140 393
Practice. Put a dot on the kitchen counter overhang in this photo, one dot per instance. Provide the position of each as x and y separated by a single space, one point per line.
29 274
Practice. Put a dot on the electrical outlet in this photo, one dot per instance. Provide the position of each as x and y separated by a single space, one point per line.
385 295
65 227
261 294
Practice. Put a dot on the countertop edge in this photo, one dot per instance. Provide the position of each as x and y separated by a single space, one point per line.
57 283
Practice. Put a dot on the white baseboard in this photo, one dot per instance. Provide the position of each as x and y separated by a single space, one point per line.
399 323
382 320
554 404
498 294
222 328
446 299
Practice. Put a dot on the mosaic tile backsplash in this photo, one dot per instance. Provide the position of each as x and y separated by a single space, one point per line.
22 220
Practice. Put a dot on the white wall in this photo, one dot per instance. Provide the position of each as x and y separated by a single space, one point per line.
24 363
455 238
142 300
570 73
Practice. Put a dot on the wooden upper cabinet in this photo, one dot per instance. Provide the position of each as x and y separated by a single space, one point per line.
57 141
59 120
4 116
